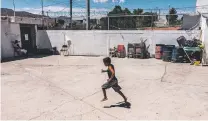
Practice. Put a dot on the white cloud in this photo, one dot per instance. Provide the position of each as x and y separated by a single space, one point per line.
104 1
55 11
119 1
100 1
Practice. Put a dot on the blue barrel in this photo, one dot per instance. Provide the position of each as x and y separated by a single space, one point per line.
167 52
174 55
167 56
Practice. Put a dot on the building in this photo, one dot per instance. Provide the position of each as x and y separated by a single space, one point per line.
202 10
162 22
23 29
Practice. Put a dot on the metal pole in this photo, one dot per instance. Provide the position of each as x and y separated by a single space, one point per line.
169 17
71 13
88 15
159 14
14 8
47 13
42 14
108 23
152 20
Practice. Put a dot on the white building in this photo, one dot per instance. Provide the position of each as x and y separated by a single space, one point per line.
21 29
202 9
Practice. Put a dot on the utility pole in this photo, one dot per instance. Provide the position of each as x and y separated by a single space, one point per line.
14 9
159 14
42 13
108 23
71 13
47 13
88 14
152 20
169 16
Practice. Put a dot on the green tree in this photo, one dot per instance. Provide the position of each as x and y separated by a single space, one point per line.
137 11
128 22
172 17
121 22
137 19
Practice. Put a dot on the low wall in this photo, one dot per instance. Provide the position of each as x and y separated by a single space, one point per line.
98 42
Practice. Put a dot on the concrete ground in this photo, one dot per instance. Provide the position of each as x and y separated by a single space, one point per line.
59 88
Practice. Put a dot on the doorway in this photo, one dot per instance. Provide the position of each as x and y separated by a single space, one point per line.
28 38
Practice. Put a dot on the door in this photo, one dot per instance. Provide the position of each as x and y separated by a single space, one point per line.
26 38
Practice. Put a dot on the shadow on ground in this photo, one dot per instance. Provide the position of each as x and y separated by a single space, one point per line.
23 57
121 105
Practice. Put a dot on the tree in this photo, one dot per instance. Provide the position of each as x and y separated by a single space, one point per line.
149 19
120 22
137 11
172 17
128 22
138 20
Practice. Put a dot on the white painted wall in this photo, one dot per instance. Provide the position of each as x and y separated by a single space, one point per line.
201 7
205 34
98 42
27 20
9 32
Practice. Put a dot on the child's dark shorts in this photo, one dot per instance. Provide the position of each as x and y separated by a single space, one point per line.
113 84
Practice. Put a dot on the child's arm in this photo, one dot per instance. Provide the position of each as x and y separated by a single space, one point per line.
103 71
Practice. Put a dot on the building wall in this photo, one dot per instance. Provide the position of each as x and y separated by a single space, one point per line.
204 38
98 42
202 7
9 33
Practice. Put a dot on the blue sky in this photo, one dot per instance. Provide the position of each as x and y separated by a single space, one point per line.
61 5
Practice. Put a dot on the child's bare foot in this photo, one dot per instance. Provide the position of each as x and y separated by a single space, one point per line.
104 99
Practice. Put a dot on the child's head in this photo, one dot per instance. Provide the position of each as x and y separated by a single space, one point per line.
107 61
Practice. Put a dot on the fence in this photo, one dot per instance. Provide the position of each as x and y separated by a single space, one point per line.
151 21
141 22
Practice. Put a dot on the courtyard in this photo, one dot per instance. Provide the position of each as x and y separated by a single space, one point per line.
58 88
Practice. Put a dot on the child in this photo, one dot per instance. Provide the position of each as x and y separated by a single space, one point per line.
112 81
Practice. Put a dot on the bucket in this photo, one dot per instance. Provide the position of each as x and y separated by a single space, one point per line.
197 63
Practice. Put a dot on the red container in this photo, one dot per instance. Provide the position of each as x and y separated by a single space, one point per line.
159 51
121 48
158 55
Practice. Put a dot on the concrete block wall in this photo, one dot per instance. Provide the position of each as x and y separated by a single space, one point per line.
9 33
98 42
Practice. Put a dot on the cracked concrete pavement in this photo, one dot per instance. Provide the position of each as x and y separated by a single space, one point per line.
59 88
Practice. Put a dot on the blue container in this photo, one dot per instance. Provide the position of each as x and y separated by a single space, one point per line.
174 54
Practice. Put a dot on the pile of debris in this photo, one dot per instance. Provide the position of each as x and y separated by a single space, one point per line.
134 50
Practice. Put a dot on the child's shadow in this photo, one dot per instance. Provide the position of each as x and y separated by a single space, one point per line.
120 104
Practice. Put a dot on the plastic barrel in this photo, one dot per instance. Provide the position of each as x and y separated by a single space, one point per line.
167 52
174 54
159 51
167 56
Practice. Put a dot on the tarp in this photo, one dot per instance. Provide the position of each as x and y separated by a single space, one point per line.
190 22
